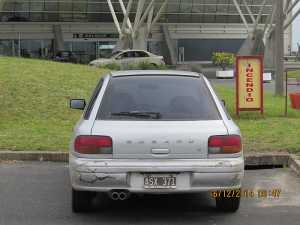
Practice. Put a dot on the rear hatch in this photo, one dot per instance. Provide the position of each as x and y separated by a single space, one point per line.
159 139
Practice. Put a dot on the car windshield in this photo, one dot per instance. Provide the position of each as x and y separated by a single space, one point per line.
157 98
114 54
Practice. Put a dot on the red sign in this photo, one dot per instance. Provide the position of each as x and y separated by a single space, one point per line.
249 83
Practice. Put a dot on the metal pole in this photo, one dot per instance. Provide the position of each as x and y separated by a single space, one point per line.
241 14
149 20
289 9
19 44
287 5
146 13
113 13
288 23
286 93
158 14
249 11
139 11
259 14
279 65
126 12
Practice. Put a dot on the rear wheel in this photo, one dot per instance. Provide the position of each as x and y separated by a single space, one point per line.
82 201
154 65
228 203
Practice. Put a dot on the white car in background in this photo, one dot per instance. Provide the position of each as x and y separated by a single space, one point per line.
155 132
129 57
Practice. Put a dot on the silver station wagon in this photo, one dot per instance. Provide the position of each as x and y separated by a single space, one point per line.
156 132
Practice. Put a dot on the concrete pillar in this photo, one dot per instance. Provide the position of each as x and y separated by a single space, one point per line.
140 39
253 45
170 45
269 56
58 39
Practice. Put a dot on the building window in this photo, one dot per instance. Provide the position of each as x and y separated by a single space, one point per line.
36 48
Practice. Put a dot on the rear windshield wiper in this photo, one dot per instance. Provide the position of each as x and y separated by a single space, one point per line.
139 114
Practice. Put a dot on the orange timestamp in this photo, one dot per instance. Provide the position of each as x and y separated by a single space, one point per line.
247 193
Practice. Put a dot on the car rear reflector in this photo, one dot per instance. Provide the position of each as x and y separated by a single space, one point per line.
93 144
229 144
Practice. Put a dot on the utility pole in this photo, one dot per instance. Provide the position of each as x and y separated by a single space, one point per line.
279 50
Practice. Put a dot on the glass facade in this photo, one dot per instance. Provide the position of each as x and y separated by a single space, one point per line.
83 51
26 48
36 48
6 48
88 46
203 49
177 11
86 51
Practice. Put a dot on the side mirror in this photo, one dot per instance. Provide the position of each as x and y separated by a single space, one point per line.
77 104
223 102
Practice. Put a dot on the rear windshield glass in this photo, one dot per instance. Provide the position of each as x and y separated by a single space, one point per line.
169 97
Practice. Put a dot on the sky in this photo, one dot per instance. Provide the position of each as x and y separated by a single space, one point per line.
296 30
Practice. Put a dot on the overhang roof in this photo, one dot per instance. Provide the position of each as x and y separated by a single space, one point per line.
176 11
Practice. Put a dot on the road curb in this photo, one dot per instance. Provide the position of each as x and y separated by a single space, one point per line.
251 160
34 156
267 159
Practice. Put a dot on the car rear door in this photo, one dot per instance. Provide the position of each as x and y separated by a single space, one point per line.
159 139
189 116
141 57
126 59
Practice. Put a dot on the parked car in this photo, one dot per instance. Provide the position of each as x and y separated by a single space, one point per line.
129 57
65 56
158 132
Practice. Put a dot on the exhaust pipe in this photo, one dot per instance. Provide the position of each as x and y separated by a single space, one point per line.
123 196
118 195
115 196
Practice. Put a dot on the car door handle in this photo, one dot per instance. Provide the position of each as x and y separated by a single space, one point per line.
160 151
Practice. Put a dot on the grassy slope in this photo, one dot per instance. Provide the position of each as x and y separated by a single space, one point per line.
273 132
34 98
294 74
34 113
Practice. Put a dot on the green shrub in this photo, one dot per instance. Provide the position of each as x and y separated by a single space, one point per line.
136 66
223 59
111 66
146 66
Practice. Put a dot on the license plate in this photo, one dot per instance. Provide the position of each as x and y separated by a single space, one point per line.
160 181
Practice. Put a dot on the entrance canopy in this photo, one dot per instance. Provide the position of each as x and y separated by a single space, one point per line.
176 11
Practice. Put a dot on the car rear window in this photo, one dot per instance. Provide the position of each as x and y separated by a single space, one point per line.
173 97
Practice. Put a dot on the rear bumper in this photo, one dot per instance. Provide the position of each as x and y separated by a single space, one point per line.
193 175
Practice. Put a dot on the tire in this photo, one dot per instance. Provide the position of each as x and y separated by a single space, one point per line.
228 204
154 65
82 201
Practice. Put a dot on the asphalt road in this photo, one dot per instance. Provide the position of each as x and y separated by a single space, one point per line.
39 194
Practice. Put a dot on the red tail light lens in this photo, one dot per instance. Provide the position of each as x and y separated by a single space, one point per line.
224 144
93 145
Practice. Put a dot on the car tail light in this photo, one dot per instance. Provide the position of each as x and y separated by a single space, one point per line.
224 144
93 145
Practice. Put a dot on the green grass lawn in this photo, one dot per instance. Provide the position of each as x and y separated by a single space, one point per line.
271 132
34 98
35 115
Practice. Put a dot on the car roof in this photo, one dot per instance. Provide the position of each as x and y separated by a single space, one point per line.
154 72
131 50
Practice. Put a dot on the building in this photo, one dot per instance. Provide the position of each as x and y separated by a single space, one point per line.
196 28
